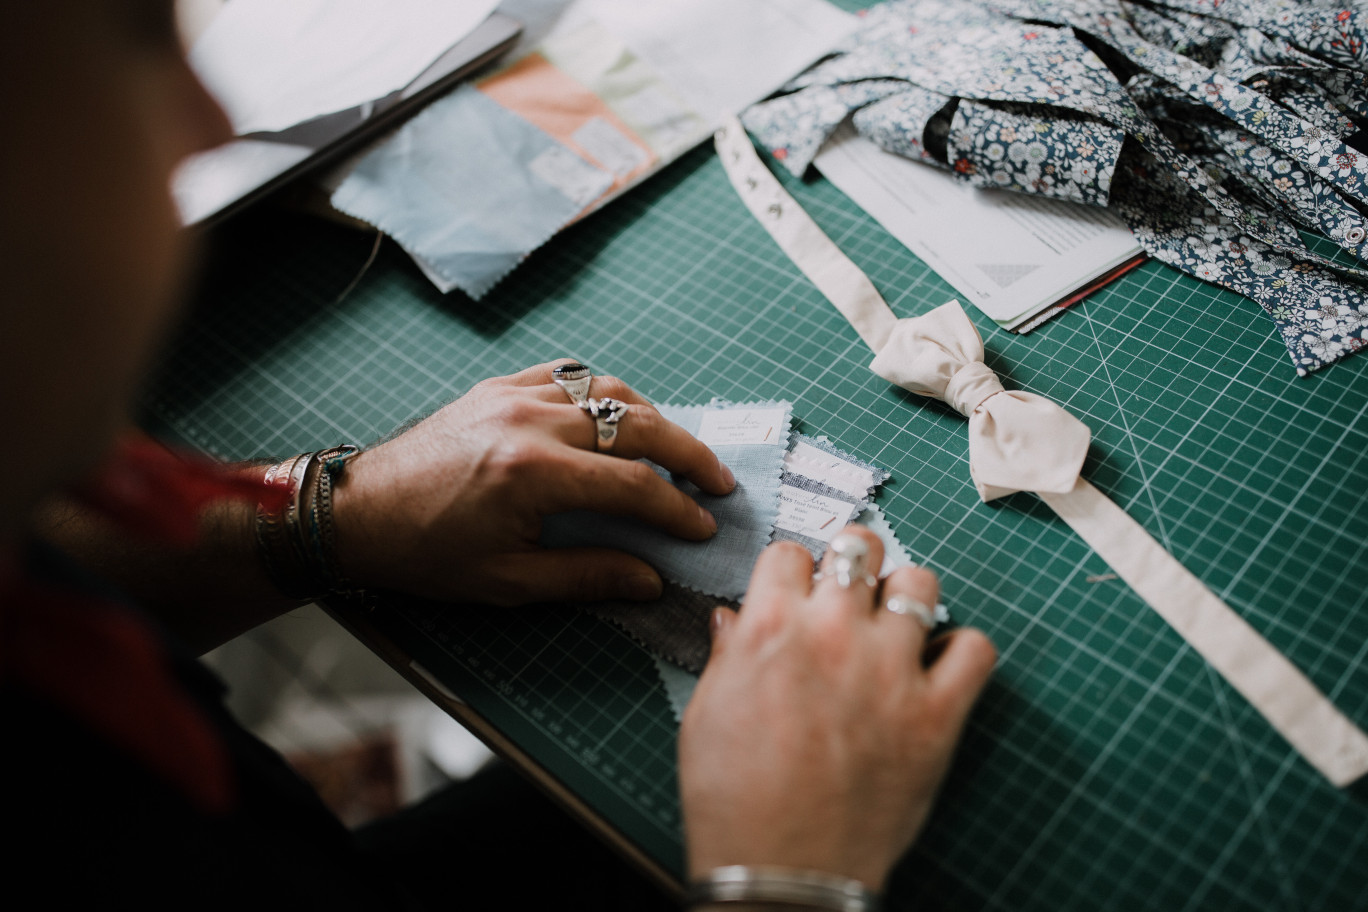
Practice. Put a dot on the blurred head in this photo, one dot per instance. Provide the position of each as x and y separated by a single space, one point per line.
100 106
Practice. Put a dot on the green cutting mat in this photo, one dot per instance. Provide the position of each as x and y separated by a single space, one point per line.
1107 767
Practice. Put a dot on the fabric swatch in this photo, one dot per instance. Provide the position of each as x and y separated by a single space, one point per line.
751 439
822 491
675 626
433 184
680 680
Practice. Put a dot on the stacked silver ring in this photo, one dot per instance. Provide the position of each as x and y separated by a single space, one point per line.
575 380
905 604
850 562
606 413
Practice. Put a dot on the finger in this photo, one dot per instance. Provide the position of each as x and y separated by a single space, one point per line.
589 481
962 666
784 568
539 374
644 433
781 579
718 626
561 574
908 631
858 595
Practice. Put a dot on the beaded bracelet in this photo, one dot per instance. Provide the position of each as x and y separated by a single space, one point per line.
298 543
764 885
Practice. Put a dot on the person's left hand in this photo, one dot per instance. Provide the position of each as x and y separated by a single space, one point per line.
824 723
453 508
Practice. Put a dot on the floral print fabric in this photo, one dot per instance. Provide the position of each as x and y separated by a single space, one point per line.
1216 130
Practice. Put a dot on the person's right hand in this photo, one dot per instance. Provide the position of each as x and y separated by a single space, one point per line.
453 508
822 727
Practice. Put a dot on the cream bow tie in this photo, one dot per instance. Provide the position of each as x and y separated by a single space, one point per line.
1019 441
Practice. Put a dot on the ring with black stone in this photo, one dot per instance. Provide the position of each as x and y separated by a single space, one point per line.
574 378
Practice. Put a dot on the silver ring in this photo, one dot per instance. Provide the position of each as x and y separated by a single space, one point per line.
850 561
905 604
574 378
606 413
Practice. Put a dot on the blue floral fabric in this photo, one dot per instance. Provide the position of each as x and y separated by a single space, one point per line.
1043 150
1216 130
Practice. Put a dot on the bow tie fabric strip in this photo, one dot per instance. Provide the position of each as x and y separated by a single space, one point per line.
1019 441
1216 134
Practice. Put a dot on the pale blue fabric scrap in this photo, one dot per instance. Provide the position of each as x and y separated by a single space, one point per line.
720 566
470 188
680 683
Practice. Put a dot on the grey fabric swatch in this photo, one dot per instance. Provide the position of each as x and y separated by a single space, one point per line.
674 626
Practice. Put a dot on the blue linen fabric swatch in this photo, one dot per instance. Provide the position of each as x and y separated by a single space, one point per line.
721 566
680 680
467 187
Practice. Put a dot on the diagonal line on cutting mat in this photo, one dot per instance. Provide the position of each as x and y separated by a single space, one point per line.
1257 806
1218 692
1028 853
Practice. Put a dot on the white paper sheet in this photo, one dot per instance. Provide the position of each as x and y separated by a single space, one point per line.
275 63
1010 254
719 54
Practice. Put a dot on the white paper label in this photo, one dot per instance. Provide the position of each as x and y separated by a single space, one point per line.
723 427
571 175
812 515
610 147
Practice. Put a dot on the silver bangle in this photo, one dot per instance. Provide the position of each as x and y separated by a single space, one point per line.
784 886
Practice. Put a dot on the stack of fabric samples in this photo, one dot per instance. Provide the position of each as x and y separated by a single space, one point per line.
790 487
1228 136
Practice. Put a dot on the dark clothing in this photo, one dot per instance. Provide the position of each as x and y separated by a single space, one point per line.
128 779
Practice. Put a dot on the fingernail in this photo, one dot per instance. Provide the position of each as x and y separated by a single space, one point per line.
718 620
708 520
728 476
642 588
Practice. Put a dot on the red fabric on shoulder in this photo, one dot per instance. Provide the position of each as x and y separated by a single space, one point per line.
152 491
105 667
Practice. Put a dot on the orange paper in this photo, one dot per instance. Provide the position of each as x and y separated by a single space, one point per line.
543 95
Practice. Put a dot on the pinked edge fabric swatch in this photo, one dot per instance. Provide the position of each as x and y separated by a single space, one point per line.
823 490
818 458
674 627
820 484
751 439
680 682
433 185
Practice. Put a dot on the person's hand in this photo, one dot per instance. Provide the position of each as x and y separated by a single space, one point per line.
453 507
823 726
